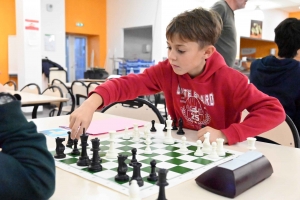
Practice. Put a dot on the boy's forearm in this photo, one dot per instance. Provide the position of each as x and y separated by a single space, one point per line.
94 101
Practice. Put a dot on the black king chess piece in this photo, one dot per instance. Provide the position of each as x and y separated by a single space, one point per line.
122 169
152 176
162 183
70 141
75 150
60 148
95 165
83 159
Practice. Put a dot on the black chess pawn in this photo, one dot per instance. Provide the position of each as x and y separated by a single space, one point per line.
162 183
70 141
153 129
165 128
137 174
174 127
152 176
83 159
95 164
133 160
122 169
60 148
75 150
180 129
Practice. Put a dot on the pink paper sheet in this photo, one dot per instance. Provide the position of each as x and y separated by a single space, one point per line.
103 126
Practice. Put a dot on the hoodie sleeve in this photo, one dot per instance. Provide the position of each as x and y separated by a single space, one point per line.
27 167
265 113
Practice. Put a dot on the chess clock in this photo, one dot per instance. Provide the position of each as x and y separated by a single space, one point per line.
6 98
237 175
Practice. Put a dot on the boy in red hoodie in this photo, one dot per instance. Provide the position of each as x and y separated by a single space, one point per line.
198 85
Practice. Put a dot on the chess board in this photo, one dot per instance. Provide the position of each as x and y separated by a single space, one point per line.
181 166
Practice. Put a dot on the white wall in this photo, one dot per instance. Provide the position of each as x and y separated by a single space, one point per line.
54 23
159 13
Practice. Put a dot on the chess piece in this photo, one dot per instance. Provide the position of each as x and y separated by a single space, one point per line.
122 169
220 147
70 141
137 174
95 164
206 144
60 148
165 128
152 176
136 133
199 152
168 138
126 136
251 143
75 150
133 160
174 127
162 183
111 153
148 149
83 159
134 191
183 145
214 154
153 129
180 127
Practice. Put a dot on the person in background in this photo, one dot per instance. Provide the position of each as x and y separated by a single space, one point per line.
280 76
227 43
27 169
199 87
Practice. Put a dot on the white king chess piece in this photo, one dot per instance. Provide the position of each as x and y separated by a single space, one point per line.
168 138
112 153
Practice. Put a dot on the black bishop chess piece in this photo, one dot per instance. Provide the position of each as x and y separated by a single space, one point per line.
122 169
162 183
70 142
153 129
83 159
133 160
152 176
174 127
180 129
60 148
95 164
75 150
137 174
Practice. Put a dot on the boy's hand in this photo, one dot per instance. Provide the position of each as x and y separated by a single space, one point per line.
82 116
214 134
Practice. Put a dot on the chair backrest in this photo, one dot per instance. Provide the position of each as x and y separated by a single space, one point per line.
11 85
55 73
91 86
79 90
137 109
67 92
56 92
285 134
31 88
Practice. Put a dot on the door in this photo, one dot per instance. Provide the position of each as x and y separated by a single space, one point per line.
76 52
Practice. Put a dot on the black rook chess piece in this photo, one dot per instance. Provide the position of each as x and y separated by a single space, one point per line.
122 169
180 130
137 174
153 129
60 148
152 176
95 165
70 141
162 183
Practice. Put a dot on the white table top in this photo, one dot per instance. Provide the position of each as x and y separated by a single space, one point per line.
92 80
283 184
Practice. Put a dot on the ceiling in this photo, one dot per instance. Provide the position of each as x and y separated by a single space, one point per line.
285 5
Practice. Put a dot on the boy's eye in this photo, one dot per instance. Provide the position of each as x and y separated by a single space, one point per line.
181 52
169 48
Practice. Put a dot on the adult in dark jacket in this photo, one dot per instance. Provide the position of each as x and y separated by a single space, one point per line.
280 77
27 169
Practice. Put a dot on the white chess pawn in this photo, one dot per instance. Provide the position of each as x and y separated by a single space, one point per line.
206 144
199 151
251 143
112 153
136 133
126 136
134 191
220 147
148 149
213 153
183 145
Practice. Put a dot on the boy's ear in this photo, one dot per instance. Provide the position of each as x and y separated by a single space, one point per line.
209 50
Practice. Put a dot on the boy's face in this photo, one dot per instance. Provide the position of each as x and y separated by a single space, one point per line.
187 57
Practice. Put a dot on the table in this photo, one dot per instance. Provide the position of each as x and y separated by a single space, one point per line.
30 99
92 80
283 184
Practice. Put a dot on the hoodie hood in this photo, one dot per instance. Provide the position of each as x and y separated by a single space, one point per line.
271 71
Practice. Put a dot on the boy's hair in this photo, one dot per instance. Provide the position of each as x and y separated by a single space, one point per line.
287 37
197 25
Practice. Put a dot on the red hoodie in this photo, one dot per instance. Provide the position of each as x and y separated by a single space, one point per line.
214 98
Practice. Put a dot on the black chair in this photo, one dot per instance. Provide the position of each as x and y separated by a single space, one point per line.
79 90
57 92
138 108
10 85
91 86
31 88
